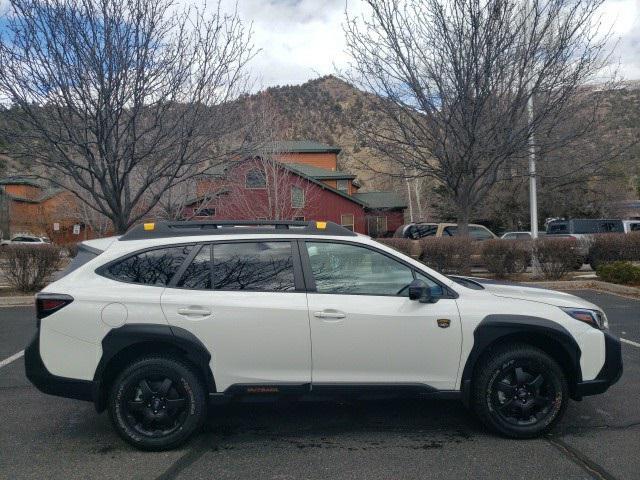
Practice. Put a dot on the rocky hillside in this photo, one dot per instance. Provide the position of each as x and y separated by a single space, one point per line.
324 110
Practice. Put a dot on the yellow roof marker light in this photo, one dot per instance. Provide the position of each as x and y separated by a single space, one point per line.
149 226
321 225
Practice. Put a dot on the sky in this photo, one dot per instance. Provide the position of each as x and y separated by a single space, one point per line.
303 39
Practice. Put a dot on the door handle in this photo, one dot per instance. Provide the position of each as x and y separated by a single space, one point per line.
326 314
194 312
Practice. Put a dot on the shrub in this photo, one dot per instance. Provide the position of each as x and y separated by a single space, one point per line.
505 257
611 247
28 268
72 249
447 254
404 245
556 256
619 272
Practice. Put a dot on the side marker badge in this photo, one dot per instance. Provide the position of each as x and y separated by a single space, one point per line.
444 322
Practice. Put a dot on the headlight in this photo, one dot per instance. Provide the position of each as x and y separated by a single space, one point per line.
595 318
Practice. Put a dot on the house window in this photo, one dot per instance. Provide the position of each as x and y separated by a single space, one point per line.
377 226
297 197
343 185
255 179
347 221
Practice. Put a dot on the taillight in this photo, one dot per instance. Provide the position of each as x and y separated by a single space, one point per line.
47 303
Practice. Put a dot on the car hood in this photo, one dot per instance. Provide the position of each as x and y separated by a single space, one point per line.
535 294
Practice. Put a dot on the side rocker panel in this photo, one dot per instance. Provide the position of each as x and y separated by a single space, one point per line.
131 335
493 328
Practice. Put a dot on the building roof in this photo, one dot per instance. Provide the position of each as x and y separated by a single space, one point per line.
20 181
46 191
381 199
302 146
324 186
321 173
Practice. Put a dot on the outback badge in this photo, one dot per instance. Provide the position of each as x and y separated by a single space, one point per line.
444 322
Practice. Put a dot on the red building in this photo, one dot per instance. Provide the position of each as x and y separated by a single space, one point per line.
32 207
296 180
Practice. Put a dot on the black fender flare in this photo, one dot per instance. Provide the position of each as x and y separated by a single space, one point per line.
129 335
495 327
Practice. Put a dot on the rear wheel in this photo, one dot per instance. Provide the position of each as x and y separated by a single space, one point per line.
520 391
157 403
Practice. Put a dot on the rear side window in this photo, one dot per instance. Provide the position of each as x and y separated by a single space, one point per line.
479 233
83 256
151 267
258 266
558 227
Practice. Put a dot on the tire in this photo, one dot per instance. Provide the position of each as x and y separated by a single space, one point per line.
520 391
157 403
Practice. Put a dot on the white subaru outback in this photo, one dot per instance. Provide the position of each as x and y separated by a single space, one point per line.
153 324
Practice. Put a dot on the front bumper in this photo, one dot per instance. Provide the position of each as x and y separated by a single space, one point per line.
51 384
609 374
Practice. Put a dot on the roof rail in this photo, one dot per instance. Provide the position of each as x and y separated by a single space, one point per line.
166 229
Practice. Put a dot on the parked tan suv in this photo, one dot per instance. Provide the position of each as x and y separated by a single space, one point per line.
416 231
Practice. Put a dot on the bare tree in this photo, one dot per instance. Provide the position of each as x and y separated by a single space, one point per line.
187 200
125 98
277 192
454 79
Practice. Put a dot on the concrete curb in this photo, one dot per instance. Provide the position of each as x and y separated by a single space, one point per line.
591 285
16 301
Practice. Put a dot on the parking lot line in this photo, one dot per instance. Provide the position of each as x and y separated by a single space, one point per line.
13 357
629 342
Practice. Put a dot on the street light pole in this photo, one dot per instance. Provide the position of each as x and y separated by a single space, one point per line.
533 196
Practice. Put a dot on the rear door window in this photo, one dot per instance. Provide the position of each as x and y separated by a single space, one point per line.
151 267
253 266
421 230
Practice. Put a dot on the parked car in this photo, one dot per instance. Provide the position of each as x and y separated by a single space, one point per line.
27 240
579 227
519 235
583 229
580 250
153 324
631 226
416 231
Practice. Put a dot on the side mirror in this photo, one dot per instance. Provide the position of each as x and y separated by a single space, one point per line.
419 290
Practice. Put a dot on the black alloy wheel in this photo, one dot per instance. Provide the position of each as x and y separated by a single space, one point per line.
519 391
156 406
157 403
521 394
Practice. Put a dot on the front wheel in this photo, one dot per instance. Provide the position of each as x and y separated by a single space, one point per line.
157 403
520 391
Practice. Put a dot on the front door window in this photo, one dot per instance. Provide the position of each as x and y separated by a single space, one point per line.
348 269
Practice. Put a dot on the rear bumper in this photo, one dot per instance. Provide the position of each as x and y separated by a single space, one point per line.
51 384
609 374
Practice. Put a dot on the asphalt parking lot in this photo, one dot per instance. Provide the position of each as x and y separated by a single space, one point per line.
49 437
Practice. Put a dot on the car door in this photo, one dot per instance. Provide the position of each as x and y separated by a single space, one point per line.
246 303
364 327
